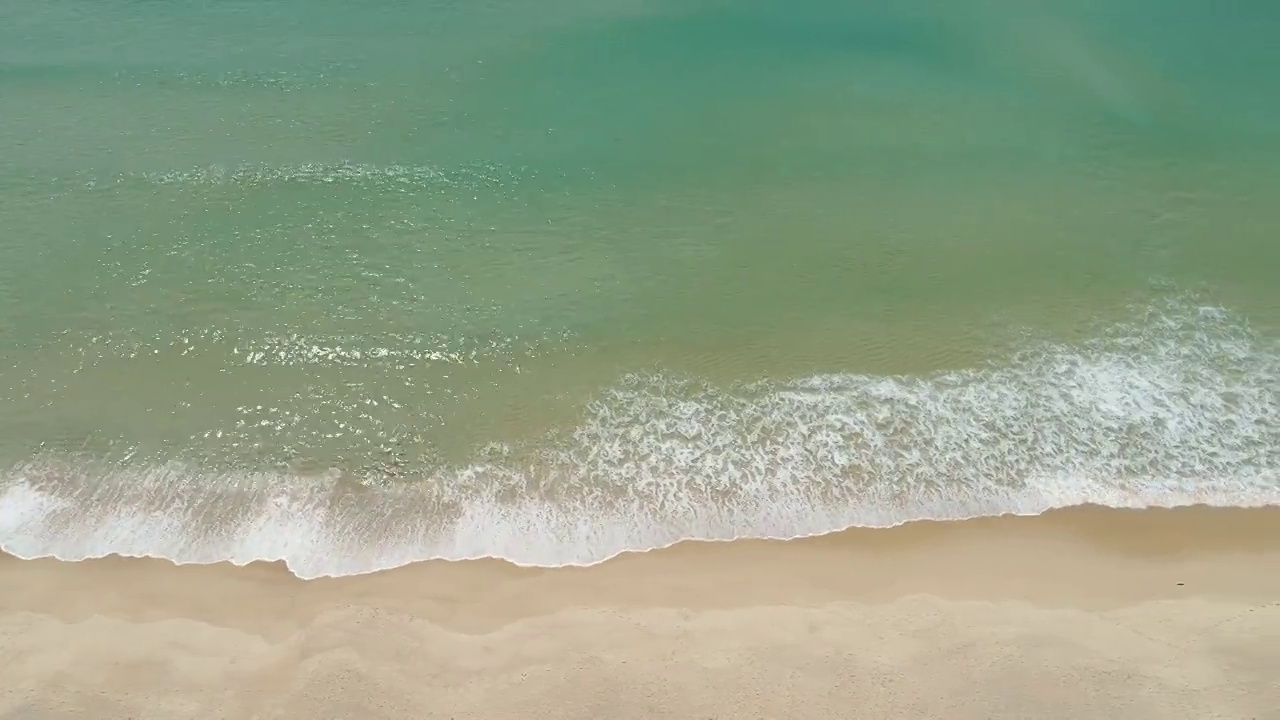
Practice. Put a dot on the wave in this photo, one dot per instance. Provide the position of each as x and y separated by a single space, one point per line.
470 176
1178 406
400 178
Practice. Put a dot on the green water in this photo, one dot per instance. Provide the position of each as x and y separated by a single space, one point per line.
402 241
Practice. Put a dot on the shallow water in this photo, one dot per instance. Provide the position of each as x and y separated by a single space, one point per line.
382 281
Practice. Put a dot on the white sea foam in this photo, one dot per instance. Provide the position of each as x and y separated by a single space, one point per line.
1179 406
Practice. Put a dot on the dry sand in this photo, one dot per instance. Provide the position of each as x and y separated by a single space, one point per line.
1083 613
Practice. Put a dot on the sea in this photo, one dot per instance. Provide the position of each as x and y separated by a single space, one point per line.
353 284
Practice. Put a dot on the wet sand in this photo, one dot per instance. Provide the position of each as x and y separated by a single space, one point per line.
1085 612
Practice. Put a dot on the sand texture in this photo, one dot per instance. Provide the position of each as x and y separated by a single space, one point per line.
1083 613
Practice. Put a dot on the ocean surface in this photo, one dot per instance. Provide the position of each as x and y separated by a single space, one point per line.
354 284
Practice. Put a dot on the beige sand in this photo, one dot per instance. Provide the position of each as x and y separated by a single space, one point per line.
1084 613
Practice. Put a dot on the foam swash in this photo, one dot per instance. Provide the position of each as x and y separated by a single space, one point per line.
1179 406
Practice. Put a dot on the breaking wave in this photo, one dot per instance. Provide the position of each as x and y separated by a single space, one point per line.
1179 406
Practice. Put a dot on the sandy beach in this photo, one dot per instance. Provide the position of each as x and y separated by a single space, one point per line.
1078 613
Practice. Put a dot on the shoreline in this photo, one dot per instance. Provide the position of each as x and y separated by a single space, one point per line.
1171 538
1131 591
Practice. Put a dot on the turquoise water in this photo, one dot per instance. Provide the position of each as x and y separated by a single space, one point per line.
356 284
